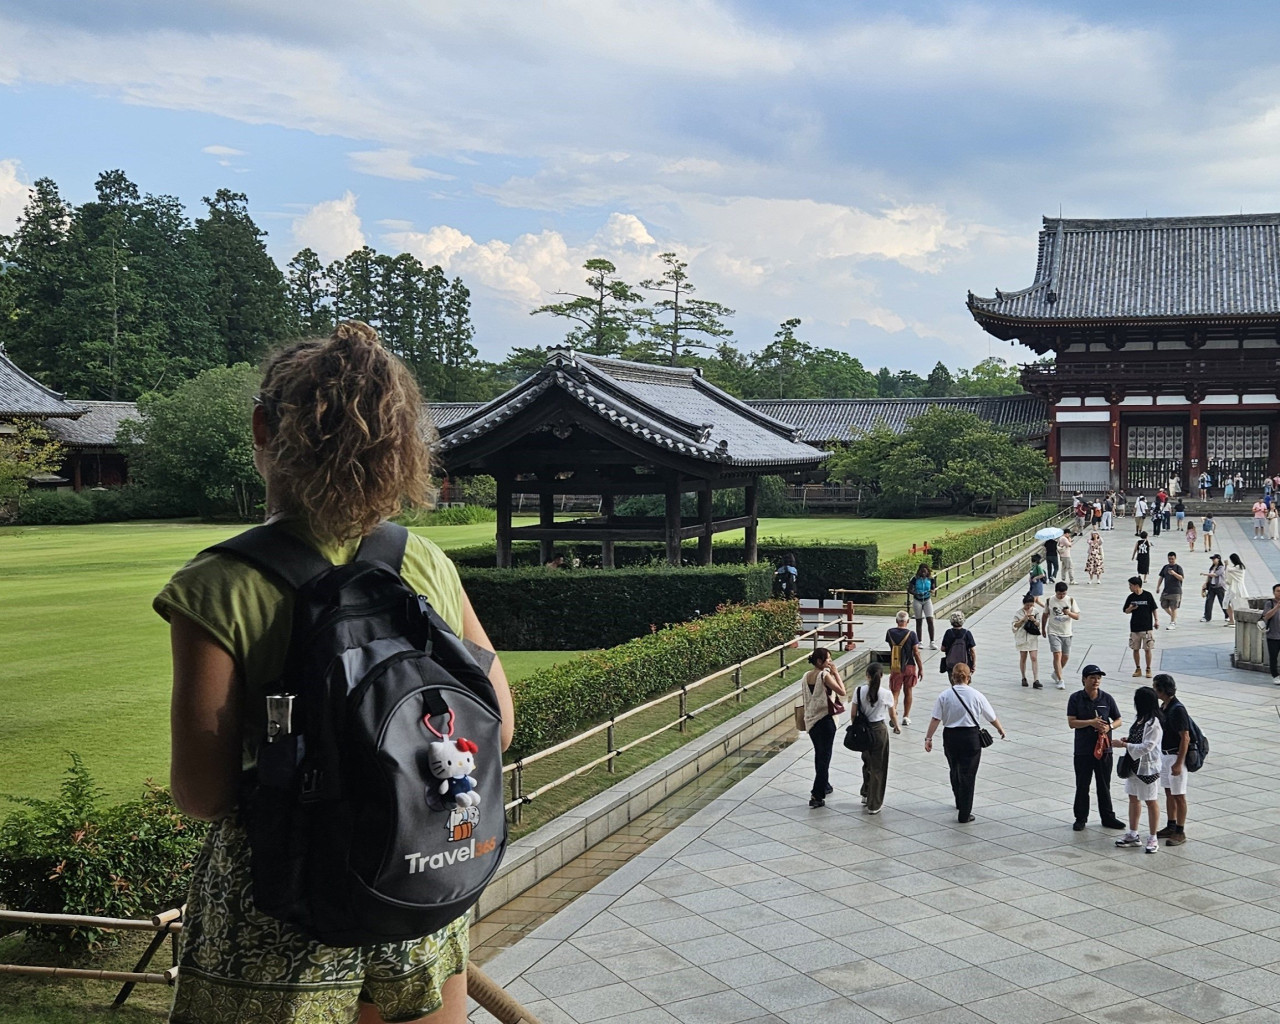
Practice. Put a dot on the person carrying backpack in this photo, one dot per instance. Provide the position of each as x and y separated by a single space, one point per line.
337 439
920 592
958 646
905 666
1175 742
785 577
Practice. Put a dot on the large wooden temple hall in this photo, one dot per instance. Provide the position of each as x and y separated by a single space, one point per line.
1164 335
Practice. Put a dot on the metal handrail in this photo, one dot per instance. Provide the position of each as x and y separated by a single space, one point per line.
516 768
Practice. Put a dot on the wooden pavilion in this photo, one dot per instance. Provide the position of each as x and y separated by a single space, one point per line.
589 425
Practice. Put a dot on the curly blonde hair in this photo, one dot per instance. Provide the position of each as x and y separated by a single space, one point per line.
346 449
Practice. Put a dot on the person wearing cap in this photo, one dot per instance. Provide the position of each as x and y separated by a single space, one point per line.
1143 614
1093 713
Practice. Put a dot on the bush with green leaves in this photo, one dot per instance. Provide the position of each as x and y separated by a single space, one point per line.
115 505
71 855
462 515
539 609
564 699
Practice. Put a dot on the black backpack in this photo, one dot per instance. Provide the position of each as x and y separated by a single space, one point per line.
958 651
353 837
1197 749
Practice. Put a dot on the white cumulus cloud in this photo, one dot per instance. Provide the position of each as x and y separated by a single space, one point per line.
332 228
14 194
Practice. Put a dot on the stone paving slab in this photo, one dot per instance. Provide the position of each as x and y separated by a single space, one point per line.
759 908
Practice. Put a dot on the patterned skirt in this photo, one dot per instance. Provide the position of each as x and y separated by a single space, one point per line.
239 966
1093 563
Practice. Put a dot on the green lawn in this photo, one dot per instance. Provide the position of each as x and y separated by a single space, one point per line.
84 662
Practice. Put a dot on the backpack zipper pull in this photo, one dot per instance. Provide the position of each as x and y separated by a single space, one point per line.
279 715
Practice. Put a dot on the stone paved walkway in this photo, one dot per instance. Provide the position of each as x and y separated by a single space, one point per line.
761 909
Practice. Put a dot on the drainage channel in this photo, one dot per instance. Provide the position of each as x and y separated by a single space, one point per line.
514 920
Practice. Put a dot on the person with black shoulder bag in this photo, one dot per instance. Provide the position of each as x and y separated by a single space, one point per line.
956 710
868 734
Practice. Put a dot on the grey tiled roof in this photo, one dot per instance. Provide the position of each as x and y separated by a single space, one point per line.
98 426
840 419
1152 267
671 408
444 413
22 395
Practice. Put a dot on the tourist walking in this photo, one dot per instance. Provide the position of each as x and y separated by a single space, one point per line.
1236 596
1059 617
1051 559
1214 588
1271 617
1157 517
1139 514
1191 535
959 709
1036 578
1093 715
958 646
331 481
1108 511
1093 563
1273 520
1143 784
870 703
1238 484
1142 555
1175 741
920 591
1207 527
1026 639
1180 514
820 691
905 665
1202 483
1259 520
1169 588
1067 570
1140 606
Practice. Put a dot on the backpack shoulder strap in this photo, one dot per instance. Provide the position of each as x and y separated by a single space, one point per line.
274 550
386 544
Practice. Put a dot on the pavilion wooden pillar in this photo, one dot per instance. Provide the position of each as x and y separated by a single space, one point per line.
606 546
1195 446
504 480
1115 448
752 496
546 519
671 520
704 518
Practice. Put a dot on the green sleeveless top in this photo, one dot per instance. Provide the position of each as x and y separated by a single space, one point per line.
250 615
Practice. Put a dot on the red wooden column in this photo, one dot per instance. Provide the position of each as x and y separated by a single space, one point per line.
1195 446
1116 448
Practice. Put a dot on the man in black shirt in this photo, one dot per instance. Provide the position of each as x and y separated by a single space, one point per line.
1141 608
1051 559
1093 713
1173 756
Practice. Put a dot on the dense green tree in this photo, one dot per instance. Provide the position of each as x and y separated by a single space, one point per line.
992 376
783 364
942 454
25 451
309 295
34 275
196 442
939 382
356 284
248 300
605 316
680 322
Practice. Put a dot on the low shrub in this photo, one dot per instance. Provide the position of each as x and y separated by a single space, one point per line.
462 515
114 505
559 701
70 855
532 609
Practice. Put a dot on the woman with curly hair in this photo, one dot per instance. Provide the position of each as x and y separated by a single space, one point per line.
337 439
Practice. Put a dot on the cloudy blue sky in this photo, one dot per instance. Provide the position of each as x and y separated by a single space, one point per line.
857 165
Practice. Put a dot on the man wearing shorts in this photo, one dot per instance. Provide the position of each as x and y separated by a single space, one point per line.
1173 755
1144 620
1056 624
910 667
1170 579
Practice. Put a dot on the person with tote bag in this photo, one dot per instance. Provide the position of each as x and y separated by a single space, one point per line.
821 690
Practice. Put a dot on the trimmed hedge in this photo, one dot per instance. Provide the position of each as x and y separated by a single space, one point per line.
557 702
459 515
538 609
822 566
951 548
118 504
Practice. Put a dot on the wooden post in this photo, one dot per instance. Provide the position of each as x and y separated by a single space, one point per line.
671 524
503 537
606 546
546 518
1116 450
752 495
704 517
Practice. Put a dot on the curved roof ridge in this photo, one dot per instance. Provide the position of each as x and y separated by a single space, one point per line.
22 395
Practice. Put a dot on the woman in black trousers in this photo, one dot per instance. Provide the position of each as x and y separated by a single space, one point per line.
959 709
820 684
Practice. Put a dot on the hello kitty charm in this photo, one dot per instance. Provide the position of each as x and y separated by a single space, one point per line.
452 761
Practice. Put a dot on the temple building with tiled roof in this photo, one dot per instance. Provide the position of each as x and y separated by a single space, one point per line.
1165 343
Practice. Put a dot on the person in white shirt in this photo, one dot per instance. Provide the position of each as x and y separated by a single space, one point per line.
957 710
1143 784
872 703
1056 623
1139 515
